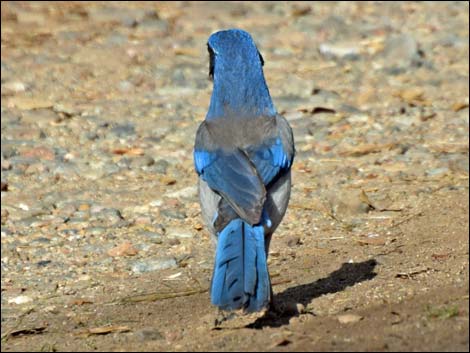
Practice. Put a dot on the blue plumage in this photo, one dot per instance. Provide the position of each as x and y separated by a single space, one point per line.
243 154
240 278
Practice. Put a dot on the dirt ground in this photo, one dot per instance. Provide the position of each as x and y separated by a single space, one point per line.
103 246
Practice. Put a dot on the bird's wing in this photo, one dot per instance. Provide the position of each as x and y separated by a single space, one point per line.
275 153
230 173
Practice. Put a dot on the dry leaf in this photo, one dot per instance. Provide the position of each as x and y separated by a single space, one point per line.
167 180
458 106
28 331
187 52
104 330
129 151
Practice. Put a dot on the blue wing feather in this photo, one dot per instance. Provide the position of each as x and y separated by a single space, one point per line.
269 158
233 176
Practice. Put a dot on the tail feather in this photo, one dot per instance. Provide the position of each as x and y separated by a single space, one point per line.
241 278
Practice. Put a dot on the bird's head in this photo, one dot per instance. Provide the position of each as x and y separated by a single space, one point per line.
236 67
233 51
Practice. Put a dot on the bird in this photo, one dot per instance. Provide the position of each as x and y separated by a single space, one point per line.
243 154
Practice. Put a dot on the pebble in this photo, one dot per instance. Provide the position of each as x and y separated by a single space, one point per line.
123 130
174 232
141 162
153 264
160 166
349 318
345 51
13 87
188 192
149 334
21 299
437 171
155 238
401 52
172 213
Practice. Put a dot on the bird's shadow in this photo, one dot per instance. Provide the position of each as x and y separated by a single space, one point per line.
347 275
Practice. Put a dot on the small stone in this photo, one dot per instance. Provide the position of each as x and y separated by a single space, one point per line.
22 299
188 192
36 168
348 203
175 214
437 171
349 318
143 220
13 87
293 241
179 233
123 130
149 334
153 264
96 231
156 203
345 51
154 237
141 161
401 52
125 86
40 152
160 166
125 249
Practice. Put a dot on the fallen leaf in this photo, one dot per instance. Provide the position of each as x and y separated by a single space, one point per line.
458 106
349 318
167 180
104 330
28 331
129 151
299 11
187 52
317 110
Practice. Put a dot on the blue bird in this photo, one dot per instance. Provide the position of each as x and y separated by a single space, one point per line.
243 154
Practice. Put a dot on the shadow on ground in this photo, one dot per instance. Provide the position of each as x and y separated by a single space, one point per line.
348 275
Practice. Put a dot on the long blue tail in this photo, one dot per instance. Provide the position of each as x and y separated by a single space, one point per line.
241 278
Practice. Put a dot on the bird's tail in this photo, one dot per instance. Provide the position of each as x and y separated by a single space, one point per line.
241 279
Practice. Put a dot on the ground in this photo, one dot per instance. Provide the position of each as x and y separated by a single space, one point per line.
103 245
